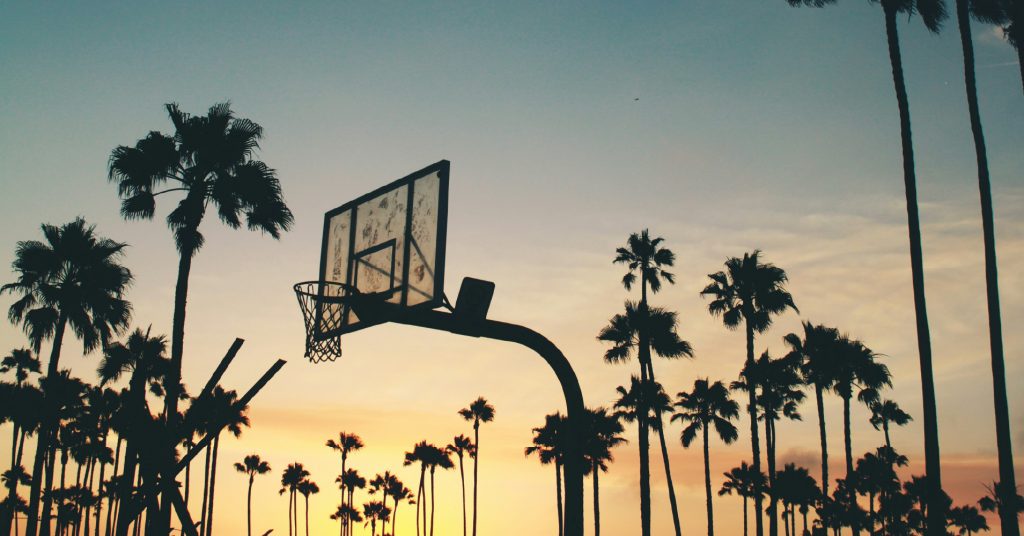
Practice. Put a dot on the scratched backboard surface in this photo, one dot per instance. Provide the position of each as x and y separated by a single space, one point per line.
389 242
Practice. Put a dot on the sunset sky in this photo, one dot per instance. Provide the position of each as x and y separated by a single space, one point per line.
723 126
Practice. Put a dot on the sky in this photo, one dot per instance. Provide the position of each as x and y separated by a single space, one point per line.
722 126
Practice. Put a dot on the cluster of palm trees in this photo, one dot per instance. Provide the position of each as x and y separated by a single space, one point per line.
749 294
75 279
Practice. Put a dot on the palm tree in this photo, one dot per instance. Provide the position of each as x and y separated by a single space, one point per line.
292 476
857 368
794 486
601 436
435 457
744 482
75 278
462 446
251 465
210 160
549 447
398 493
478 411
23 363
968 520
346 515
624 333
1002 501
989 11
932 13
375 511
419 454
816 353
383 483
645 255
707 405
885 412
351 481
221 411
307 487
750 293
345 444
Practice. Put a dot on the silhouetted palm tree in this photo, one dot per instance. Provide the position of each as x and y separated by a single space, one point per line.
23 363
885 412
857 369
220 409
601 436
624 333
709 404
375 511
968 520
382 483
75 278
436 457
345 444
462 446
352 481
548 446
932 13
645 255
419 454
307 487
875 474
1002 500
746 483
478 411
210 160
794 486
292 476
398 493
816 353
750 293
347 515
251 465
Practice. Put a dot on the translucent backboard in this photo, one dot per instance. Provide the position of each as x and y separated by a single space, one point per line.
389 242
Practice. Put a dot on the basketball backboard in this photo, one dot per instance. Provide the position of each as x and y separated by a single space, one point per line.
389 242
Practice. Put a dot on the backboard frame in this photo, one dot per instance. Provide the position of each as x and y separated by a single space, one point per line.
441 169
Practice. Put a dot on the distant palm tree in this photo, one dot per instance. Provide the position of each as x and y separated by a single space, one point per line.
345 444
601 436
746 483
75 278
645 255
351 481
221 409
707 405
375 511
623 332
347 514
874 475
750 293
251 465
462 446
968 520
420 454
549 447
857 369
1002 501
23 363
436 457
210 160
932 13
886 411
292 476
478 411
307 487
382 483
398 493
794 486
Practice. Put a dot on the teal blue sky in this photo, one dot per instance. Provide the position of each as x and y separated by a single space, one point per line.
722 125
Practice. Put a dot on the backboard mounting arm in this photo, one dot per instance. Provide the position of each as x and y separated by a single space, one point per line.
503 331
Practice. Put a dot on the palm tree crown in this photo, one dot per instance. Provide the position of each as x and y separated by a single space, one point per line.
623 332
645 255
22 362
748 290
709 404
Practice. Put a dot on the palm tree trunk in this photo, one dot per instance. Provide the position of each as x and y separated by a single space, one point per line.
558 496
597 500
344 522
1007 520
306 501
290 533
431 501
476 466
46 514
99 499
931 431
822 437
846 437
419 498
248 508
773 504
745 530
462 476
111 495
885 429
213 484
755 446
43 437
645 455
206 492
664 456
394 517
871 514
707 483
8 514
804 512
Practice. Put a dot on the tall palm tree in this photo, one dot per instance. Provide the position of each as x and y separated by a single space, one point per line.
857 369
932 13
345 444
993 12
352 481
816 352
375 511
478 411
382 483
1002 500
462 446
74 277
251 465
794 486
398 493
292 476
707 405
658 329
23 363
420 453
210 160
645 255
549 447
749 293
744 482
307 487
601 436
436 457
885 412
347 514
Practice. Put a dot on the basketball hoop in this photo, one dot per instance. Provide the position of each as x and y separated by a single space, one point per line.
324 306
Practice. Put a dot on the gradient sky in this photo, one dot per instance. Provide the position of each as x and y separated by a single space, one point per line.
722 126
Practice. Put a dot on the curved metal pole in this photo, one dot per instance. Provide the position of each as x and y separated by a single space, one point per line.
503 331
